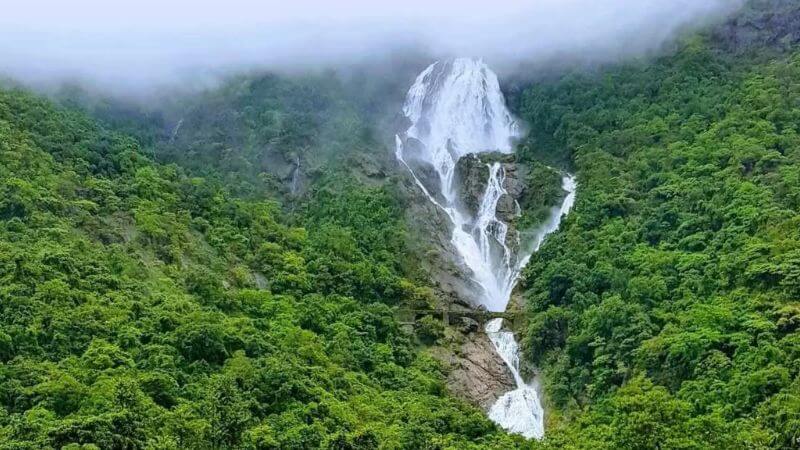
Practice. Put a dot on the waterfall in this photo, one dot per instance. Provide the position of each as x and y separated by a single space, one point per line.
295 183
520 411
456 108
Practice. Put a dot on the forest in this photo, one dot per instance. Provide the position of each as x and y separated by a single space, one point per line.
146 308
665 313
162 288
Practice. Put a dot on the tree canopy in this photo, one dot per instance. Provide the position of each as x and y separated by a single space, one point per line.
664 315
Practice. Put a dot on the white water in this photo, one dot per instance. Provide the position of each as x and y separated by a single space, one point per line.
457 108
520 411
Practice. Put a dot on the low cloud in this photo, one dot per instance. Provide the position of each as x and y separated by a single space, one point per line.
135 44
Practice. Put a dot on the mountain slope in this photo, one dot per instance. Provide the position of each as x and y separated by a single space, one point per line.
143 308
665 314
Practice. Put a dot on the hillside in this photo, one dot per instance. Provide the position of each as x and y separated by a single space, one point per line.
223 268
143 308
665 314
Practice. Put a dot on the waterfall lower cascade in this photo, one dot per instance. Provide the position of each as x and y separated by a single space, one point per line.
520 410
456 108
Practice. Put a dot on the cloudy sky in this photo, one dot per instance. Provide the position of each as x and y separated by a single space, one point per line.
139 42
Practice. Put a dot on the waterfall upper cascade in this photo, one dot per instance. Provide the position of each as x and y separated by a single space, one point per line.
456 108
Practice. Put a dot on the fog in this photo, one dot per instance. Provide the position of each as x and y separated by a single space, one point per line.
136 44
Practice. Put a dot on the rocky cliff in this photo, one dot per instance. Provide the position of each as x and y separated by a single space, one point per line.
762 24
476 373
475 370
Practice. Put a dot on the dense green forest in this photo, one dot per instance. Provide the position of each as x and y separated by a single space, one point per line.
666 313
145 308
162 286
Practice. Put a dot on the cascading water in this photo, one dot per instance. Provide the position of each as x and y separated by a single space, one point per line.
456 108
520 411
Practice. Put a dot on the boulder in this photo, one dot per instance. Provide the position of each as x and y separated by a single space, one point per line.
468 325
476 372
513 184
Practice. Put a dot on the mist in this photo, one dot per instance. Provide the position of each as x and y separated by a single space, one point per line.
137 45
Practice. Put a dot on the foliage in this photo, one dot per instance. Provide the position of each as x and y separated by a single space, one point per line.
145 305
664 314
543 190
141 307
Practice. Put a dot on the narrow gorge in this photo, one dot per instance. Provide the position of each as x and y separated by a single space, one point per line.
459 149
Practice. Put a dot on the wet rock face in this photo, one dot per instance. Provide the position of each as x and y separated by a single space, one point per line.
429 178
413 150
431 237
471 176
430 241
426 174
514 182
507 208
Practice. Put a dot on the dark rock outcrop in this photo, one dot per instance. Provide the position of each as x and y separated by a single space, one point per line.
507 208
413 151
468 325
471 175
471 178
773 24
514 183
